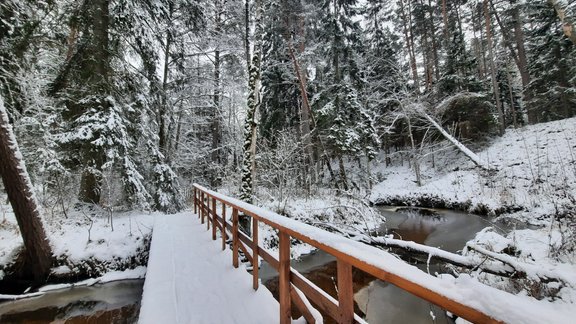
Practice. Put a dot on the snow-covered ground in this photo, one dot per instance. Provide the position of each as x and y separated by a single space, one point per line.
535 183
536 173
85 243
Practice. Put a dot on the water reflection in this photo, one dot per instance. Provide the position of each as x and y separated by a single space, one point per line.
115 302
379 301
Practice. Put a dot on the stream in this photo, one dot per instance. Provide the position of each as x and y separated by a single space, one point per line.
111 303
379 301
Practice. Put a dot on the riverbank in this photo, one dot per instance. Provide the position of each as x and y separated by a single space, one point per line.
534 183
88 243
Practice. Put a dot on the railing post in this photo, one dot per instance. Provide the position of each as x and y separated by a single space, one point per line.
284 278
214 220
345 292
223 226
207 212
195 202
202 210
255 253
235 237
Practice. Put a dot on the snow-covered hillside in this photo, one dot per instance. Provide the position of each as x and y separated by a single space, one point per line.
534 186
536 175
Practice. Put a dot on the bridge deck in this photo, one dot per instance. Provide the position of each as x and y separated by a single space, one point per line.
190 280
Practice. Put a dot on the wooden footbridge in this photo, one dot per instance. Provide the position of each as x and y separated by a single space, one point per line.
218 215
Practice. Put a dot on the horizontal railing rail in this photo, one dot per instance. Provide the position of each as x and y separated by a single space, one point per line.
294 288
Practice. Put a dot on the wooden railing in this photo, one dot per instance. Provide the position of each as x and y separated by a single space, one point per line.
295 289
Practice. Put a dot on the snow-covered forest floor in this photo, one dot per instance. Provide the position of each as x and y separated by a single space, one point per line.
85 243
535 184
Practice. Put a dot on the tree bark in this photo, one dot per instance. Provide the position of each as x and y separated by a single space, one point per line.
518 54
250 124
409 38
247 34
305 112
91 181
216 127
38 254
496 90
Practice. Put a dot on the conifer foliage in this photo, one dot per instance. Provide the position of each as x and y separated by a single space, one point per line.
125 103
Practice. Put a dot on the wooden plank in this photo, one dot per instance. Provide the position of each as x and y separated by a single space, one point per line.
345 292
214 219
235 237
223 228
269 258
284 279
202 206
255 249
301 305
195 201
322 300
208 213
246 252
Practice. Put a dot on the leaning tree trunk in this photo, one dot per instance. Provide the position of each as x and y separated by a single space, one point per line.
38 254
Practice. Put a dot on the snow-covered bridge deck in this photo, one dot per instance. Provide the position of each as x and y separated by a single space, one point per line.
191 280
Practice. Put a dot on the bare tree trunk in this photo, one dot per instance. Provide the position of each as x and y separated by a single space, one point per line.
215 127
511 94
305 112
250 125
38 254
413 154
471 155
162 109
91 181
445 21
409 38
520 46
496 90
247 34
518 54
434 42
343 178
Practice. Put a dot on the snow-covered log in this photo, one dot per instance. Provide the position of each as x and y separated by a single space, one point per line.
488 261
471 155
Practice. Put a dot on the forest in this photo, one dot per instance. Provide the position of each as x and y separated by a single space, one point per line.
319 110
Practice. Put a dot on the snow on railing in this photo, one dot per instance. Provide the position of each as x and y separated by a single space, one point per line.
461 296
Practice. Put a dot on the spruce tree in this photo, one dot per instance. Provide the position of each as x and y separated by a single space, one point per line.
552 61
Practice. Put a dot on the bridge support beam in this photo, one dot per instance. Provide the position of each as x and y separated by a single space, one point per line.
345 292
284 279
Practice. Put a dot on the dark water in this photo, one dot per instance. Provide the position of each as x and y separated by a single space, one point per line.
115 302
379 301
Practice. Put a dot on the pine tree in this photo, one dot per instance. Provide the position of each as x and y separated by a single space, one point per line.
459 69
552 61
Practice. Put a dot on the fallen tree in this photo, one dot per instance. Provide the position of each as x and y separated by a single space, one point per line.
499 264
419 110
